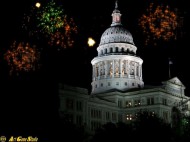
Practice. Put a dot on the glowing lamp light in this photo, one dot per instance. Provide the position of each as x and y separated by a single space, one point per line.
38 5
91 41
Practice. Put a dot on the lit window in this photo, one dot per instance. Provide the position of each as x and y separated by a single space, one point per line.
153 113
137 103
129 117
128 104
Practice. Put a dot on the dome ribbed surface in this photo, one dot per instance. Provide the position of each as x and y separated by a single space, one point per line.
116 34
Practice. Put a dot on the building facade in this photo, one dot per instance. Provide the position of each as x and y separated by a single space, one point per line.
118 91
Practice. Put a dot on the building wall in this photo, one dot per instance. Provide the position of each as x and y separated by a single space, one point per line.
92 111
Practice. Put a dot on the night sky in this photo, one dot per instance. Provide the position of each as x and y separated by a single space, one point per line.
37 91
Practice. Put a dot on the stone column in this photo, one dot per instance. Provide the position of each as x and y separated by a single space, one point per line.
93 73
105 69
141 72
113 68
135 70
98 70
120 68
127 68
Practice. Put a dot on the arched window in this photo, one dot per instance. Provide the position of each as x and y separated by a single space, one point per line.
105 51
116 50
111 50
122 49
127 51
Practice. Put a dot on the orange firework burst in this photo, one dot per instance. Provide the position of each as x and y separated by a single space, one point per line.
22 57
159 23
64 36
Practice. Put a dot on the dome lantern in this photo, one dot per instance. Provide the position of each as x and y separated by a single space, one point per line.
116 16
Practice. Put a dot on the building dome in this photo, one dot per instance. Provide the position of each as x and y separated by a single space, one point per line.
116 68
116 34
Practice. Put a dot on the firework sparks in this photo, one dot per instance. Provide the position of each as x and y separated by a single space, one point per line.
51 18
29 23
50 24
64 36
22 57
159 23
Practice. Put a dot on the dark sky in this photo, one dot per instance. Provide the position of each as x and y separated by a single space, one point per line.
94 17
72 66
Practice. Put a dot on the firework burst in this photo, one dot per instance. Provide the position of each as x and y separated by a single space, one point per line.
51 18
51 24
22 57
64 36
159 23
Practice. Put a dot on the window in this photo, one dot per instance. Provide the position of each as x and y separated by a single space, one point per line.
101 84
133 84
108 83
107 116
99 114
113 116
101 52
164 101
125 83
137 103
95 113
70 118
105 51
165 116
136 115
117 83
132 72
150 101
137 71
70 104
119 117
92 113
119 104
111 50
116 49
129 117
128 103
79 120
95 125
79 106
122 49
153 113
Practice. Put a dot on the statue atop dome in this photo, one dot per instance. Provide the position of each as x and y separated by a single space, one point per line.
116 4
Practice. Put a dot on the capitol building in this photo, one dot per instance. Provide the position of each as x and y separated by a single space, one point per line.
118 91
